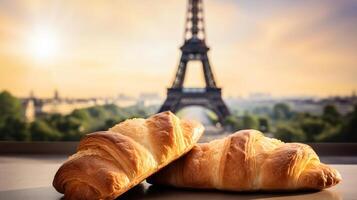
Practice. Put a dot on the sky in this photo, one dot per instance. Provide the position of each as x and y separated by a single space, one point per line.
105 47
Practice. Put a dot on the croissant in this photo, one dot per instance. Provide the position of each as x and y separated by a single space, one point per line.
108 163
248 161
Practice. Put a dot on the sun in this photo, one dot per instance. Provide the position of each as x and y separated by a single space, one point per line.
43 44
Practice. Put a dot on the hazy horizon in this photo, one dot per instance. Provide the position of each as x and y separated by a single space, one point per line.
256 95
104 48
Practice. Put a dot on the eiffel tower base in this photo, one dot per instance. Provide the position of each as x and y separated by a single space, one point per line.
210 98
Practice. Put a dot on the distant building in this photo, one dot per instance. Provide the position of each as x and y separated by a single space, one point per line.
33 107
148 99
354 96
122 96
124 100
56 95
29 110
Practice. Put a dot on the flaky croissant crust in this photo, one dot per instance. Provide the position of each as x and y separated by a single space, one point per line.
248 161
108 163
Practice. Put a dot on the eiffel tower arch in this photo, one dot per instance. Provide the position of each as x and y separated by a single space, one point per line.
195 49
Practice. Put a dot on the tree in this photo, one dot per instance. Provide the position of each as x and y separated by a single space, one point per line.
15 129
81 114
42 131
262 110
9 107
281 111
97 112
70 127
264 124
312 128
108 124
349 127
249 122
289 133
331 115
12 126
230 123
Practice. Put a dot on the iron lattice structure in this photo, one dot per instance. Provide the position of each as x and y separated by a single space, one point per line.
195 49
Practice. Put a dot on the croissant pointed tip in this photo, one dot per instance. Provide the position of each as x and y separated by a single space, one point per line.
338 177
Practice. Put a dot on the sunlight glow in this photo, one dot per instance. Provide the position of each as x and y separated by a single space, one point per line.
43 44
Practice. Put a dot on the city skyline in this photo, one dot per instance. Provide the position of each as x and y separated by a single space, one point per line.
98 48
156 95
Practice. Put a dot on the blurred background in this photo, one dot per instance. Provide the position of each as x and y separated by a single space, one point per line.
287 68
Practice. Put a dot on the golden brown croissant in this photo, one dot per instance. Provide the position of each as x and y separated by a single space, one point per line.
248 161
109 163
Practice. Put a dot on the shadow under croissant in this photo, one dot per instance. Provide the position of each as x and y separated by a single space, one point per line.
147 191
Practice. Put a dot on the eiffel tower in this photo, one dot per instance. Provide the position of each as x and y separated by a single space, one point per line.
195 49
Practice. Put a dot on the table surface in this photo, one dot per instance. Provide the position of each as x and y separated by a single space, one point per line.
30 177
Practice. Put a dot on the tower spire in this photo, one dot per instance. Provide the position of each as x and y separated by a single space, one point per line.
194 27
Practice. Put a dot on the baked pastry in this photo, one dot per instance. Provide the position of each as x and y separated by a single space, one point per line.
248 161
108 163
